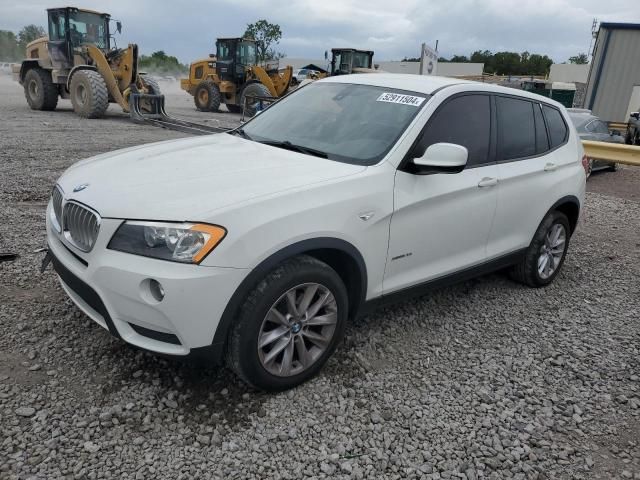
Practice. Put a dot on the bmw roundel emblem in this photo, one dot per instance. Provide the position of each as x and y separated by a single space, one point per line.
81 187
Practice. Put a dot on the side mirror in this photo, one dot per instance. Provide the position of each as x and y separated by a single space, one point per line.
443 157
119 26
636 115
615 133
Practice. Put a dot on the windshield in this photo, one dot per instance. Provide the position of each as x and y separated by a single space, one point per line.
87 27
361 60
350 123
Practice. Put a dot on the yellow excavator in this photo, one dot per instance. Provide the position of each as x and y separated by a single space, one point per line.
77 61
232 76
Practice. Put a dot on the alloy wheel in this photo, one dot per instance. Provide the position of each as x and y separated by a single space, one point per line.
297 329
552 251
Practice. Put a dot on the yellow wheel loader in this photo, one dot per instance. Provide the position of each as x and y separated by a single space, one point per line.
76 61
232 76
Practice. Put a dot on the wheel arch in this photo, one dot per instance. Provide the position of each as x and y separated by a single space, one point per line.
570 206
27 65
339 254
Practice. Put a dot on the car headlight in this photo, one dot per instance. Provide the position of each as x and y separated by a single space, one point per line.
177 242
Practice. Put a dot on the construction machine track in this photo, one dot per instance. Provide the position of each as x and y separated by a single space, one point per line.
155 114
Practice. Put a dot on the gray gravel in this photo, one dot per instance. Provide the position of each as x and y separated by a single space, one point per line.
487 379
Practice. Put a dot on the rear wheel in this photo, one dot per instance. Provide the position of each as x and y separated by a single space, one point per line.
252 105
89 94
207 97
289 325
39 89
546 253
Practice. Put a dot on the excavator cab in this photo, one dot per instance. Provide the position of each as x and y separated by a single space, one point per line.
345 61
70 28
233 57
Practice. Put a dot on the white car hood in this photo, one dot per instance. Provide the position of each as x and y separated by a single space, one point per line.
187 179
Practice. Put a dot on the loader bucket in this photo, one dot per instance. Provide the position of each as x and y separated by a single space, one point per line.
143 106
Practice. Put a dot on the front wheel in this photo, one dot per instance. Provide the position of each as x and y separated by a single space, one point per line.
546 253
89 94
248 101
289 325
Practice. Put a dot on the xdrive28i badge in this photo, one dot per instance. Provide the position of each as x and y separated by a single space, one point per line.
80 187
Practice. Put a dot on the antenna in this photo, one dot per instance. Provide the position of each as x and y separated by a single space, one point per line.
594 35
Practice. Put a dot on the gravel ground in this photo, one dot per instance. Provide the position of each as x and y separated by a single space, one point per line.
487 379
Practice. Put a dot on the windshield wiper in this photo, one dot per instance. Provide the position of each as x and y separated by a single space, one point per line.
287 145
240 132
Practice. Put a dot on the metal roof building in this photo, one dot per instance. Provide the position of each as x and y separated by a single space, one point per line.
613 87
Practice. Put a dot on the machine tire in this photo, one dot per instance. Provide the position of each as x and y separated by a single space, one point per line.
40 91
152 85
154 89
89 94
207 97
233 108
243 352
253 89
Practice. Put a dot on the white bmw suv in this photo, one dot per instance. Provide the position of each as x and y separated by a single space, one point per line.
258 246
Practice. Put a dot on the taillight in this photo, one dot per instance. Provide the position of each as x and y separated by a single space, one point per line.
585 164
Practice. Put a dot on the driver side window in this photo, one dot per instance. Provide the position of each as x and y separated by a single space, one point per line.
463 120
57 27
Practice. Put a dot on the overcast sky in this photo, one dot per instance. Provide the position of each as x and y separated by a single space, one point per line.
392 28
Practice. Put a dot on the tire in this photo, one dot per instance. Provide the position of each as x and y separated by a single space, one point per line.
256 319
40 91
152 85
89 94
613 167
207 97
147 106
233 108
528 271
257 89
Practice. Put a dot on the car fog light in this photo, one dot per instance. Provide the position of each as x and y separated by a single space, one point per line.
156 289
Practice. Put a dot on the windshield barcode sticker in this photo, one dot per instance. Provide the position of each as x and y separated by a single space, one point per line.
401 99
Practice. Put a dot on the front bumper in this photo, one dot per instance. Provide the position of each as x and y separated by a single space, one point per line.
112 288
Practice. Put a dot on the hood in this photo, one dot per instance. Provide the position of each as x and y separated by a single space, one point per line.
186 179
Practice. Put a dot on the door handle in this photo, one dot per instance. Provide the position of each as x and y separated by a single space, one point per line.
488 182
550 167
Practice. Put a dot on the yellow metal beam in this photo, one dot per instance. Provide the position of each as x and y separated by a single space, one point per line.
612 152
622 126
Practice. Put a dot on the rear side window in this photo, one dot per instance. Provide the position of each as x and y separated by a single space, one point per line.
558 131
600 127
542 141
516 128
464 120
